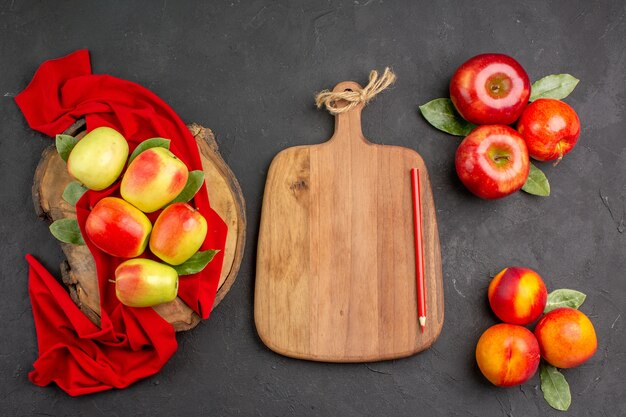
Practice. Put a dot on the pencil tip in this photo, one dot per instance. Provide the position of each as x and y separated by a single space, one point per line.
422 320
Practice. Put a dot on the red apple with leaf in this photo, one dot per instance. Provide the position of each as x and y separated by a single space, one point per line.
492 161
550 128
490 89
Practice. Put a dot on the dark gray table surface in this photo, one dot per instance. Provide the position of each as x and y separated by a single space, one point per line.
249 70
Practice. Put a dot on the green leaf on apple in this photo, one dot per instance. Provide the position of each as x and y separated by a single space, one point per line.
147 144
73 192
564 298
555 388
441 113
67 230
557 86
194 182
536 183
196 263
64 145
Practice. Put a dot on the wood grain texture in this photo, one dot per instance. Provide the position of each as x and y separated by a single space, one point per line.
335 274
78 271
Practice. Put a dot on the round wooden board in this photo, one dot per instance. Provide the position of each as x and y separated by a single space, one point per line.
79 272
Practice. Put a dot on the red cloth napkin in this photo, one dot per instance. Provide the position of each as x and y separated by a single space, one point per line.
131 343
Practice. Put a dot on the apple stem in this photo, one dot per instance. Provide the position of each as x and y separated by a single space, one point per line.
558 146
112 281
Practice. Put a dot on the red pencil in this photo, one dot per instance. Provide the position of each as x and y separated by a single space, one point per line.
419 247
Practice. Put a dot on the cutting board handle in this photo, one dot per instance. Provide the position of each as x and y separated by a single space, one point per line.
348 124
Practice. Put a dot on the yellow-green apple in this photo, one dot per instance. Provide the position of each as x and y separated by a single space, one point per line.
98 159
550 128
517 295
507 354
178 233
153 179
490 89
492 161
118 228
145 283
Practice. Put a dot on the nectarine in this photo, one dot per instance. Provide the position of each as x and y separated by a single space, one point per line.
517 295
566 337
507 354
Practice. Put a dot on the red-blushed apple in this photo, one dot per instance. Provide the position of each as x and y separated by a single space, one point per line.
153 179
118 228
550 128
145 283
492 161
178 233
98 159
490 89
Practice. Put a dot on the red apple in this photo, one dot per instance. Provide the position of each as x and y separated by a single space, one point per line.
492 161
178 233
550 128
490 89
118 228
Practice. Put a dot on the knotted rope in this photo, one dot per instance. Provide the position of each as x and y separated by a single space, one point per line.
354 98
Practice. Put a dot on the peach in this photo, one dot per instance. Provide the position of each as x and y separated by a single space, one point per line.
118 228
145 283
517 295
153 179
507 354
178 233
566 337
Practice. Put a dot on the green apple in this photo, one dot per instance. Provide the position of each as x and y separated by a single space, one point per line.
153 179
145 283
98 159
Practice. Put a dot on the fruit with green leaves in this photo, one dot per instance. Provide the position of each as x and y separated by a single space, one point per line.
490 89
550 128
97 160
492 161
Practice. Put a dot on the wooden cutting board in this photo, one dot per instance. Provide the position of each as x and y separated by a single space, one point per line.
335 274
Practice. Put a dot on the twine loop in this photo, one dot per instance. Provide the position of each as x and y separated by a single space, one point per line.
354 98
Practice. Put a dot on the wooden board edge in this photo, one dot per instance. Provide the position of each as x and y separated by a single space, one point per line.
237 194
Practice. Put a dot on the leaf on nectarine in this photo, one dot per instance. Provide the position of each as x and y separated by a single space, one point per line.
564 298
536 183
557 86
441 113
554 387
67 230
